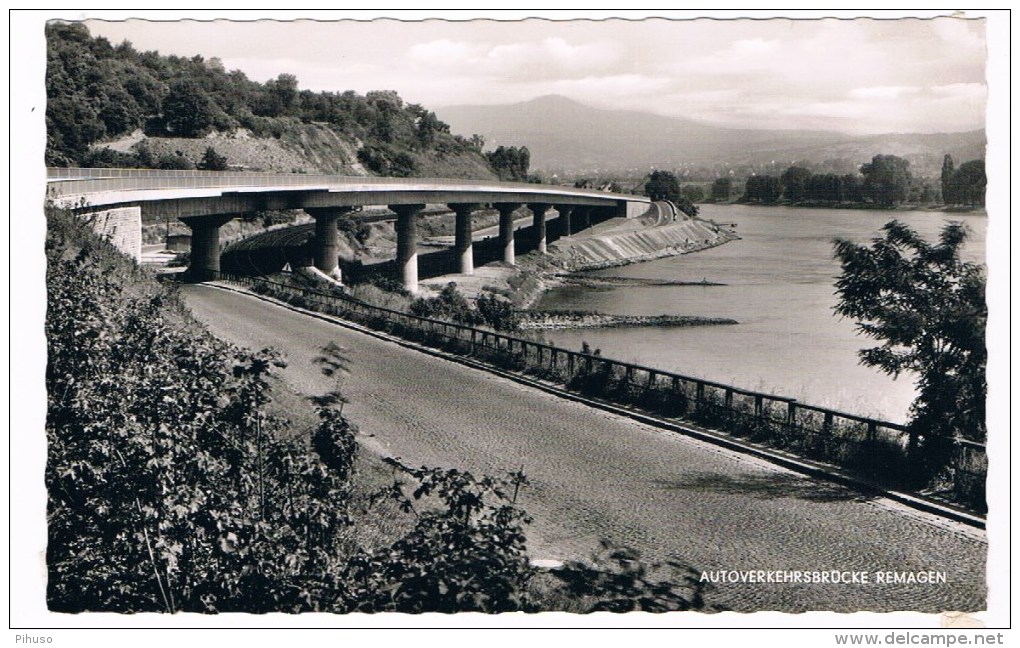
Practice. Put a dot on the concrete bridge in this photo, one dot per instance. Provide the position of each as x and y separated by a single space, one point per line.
205 200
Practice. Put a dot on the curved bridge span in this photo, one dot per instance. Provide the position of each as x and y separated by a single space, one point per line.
205 200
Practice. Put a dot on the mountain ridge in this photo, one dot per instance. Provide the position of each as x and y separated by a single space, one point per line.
563 134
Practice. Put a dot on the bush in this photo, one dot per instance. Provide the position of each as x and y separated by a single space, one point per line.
497 313
481 565
449 305
617 580
168 488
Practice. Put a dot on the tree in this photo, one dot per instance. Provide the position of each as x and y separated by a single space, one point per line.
928 309
510 162
663 185
693 193
721 188
795 181
969 182
886 179
947 180
763 188
213 161
187 110
282 95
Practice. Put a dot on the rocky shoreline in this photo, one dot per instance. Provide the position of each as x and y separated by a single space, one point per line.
569 264
552 320
595 281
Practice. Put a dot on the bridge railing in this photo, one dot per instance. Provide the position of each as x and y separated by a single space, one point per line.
79 182
881 450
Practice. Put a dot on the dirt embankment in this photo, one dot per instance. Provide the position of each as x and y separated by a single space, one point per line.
298 148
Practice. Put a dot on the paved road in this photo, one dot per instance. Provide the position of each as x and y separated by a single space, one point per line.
595 475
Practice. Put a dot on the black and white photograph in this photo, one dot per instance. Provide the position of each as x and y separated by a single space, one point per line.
535 320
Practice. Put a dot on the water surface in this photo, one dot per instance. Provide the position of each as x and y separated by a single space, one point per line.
779 280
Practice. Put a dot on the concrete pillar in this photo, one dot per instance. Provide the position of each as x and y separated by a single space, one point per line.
327 238
205 246
462 239
407 243
565 211
585 217
538 224
506 230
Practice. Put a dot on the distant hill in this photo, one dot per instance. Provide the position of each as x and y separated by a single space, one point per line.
565 135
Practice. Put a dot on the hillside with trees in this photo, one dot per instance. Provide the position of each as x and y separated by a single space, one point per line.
112 105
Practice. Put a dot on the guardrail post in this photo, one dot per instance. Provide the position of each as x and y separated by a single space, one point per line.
728 398
872 430
758 409
699 394
791 414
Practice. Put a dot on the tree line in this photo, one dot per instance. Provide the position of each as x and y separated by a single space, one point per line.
886 180
97 90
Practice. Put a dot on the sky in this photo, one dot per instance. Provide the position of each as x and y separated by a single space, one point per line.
858 76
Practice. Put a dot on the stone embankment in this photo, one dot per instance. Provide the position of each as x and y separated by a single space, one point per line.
544 320
613 243
615 248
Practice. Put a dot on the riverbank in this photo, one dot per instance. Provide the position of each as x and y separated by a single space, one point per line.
554 320
822 204
615 243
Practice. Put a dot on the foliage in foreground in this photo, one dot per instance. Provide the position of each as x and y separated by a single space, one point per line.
452 306
927 308
171 489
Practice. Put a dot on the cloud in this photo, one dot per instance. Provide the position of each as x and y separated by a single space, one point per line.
446 53
962 90
548 58
960 34
595 89
883 92
755 46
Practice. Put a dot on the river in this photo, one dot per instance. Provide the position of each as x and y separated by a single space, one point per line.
779 287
